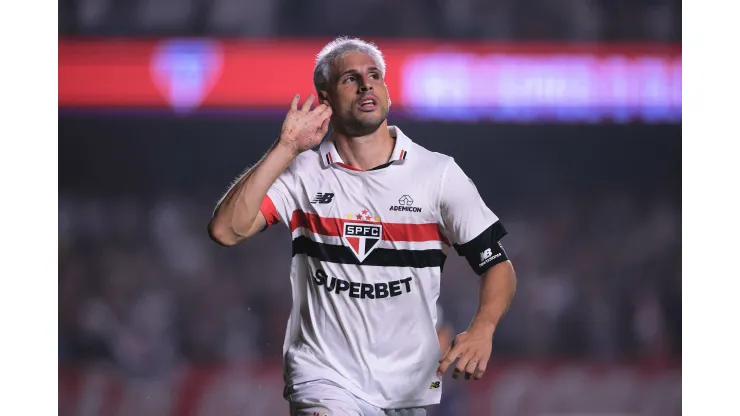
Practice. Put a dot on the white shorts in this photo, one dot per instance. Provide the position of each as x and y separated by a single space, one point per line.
324 398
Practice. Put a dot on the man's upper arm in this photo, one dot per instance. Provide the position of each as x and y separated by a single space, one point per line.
259 224
470 225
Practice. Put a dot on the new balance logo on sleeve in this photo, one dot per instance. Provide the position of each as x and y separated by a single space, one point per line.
322 198
487 256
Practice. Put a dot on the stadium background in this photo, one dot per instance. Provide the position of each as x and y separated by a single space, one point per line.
566 114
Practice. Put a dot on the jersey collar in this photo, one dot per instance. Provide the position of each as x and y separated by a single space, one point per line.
330 156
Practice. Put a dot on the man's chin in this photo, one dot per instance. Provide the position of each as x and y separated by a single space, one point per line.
365 124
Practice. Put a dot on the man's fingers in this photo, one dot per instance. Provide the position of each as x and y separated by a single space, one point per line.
444 353
324 127
307 104
481 369
294 103
450 356
448 349
327 112
318 112
447 360
478 373
470 369
322 110
462 363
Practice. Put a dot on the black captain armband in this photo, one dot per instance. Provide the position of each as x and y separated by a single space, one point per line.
485 250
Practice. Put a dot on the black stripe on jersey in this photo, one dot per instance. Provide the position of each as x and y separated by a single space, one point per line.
384 165
379 257
485 250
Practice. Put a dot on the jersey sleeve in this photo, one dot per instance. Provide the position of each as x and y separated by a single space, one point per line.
278 204
467 222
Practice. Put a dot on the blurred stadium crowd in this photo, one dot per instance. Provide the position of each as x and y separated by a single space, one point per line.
552 20
143 287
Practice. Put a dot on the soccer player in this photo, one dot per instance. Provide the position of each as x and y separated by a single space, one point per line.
372 215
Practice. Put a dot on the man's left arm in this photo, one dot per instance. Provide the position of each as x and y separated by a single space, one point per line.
476 234
472 348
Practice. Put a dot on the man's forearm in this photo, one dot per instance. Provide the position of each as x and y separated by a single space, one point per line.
237 210
497 289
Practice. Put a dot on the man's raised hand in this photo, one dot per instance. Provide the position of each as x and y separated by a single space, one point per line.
304 128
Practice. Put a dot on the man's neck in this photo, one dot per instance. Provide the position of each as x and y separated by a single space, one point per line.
366 152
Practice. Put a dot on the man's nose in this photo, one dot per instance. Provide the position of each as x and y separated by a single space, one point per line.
364 86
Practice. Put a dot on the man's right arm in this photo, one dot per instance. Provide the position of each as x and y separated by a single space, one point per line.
237 216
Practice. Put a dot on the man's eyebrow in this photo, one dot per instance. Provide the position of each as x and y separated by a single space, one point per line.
354 71
349 71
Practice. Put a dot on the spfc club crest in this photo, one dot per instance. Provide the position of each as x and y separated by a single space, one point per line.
362 236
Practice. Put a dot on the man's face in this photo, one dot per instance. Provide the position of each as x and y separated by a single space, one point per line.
358 95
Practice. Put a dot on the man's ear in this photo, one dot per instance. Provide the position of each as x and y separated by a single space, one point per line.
324 98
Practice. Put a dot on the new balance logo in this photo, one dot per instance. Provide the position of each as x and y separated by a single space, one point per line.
434 385
487 256
322 198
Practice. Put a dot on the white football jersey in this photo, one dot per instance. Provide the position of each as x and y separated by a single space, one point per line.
368 252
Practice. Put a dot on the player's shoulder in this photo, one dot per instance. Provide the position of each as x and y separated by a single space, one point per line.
431 159
306 161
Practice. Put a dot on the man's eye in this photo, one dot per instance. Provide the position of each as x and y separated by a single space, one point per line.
349 79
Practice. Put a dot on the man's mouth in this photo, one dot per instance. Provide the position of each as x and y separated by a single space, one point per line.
368 104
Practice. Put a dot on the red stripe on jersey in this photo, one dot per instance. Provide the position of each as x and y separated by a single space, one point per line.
267 208
344 165
332 227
